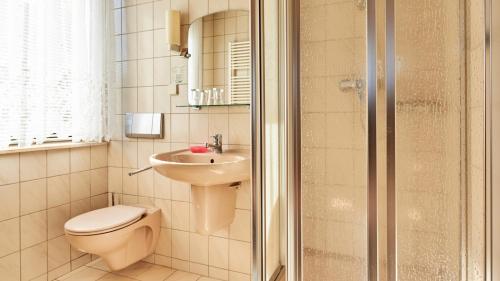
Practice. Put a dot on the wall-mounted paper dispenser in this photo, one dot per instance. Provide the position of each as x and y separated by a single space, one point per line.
144 125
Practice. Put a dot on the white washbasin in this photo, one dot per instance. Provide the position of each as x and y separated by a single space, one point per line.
203 169
213 178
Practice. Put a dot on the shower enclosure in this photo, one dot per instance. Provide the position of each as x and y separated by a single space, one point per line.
374 139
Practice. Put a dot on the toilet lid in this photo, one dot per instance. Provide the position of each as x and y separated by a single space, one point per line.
104 219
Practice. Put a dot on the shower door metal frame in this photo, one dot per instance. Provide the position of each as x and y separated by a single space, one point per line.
291 63
492 140
390 45
258 113
489 263
372 180
257 119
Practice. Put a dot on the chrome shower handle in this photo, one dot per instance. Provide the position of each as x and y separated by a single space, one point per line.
348 84
358 85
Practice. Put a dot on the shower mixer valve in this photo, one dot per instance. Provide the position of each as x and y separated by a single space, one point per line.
358 85
361 4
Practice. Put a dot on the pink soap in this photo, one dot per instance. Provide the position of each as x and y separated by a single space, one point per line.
198 149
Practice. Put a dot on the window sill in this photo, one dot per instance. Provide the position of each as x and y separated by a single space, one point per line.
49 146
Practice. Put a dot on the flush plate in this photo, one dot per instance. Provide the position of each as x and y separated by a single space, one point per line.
144 125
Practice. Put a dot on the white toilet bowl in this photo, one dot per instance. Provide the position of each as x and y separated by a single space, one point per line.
120 235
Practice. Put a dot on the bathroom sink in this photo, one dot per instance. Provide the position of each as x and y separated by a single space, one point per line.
214 179
203 169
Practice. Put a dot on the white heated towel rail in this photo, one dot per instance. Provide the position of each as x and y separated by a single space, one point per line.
239 89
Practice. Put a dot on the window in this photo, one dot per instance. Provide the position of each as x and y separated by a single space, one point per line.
52 70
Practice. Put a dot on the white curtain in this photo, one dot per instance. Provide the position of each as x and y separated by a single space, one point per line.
53 70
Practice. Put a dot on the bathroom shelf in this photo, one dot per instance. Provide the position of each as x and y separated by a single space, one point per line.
213 105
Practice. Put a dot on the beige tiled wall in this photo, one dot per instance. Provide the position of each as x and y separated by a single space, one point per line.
39 191
147 67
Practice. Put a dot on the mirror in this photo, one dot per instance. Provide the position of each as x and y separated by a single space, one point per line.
219 63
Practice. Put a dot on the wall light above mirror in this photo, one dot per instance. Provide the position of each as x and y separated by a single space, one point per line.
173 29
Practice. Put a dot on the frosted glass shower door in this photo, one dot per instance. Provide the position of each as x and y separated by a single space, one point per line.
430 141
427 221
333 140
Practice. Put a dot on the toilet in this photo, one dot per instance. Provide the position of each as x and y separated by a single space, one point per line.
120 235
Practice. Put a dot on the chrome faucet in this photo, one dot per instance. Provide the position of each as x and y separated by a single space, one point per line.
217 144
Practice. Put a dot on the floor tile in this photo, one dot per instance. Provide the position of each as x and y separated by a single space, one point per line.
83 274
97 270
134 270
99 264
207 279
155 273
183 276
114 277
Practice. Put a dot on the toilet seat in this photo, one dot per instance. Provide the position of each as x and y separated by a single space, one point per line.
104 220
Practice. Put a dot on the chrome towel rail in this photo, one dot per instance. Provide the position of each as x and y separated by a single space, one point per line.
139 171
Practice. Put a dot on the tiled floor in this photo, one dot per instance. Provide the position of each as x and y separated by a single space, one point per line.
141 271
